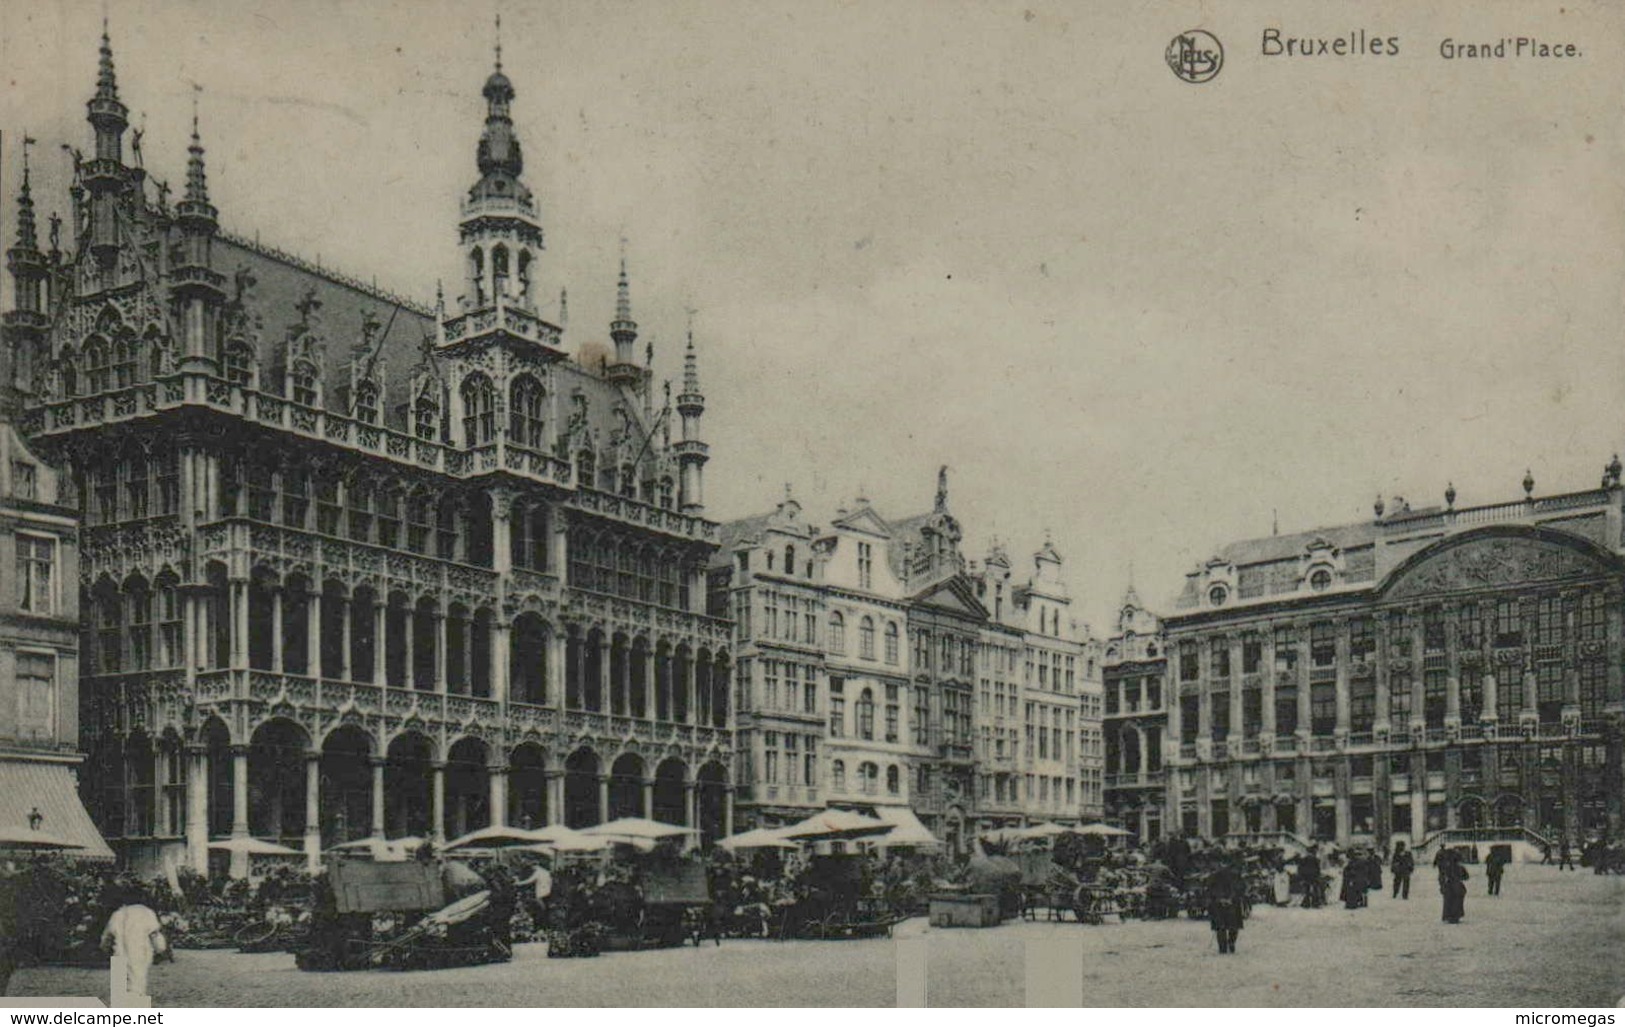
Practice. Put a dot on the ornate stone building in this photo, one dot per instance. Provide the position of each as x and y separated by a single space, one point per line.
352 565
1423 671
1135 719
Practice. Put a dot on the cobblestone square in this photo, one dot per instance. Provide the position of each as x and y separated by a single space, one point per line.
1551 940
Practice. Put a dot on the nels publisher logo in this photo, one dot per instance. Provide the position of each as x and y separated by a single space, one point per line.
1195 56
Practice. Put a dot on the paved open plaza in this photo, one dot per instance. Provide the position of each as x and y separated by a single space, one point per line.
1550 940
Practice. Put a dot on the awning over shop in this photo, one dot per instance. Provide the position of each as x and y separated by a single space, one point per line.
906 827
27 785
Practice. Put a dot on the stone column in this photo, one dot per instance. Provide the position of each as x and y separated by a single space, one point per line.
1266 674
313 632
556 657
501 530
1204 703
408 643
498 780
378 763
239 807
603 673
728 811
277 595
1341 683
1306 687
553 813
344 639
468 656
1238 685
603 798
1419 798
691 804
437 803
197 809
380 641
1452 687
648 798
501 662
440 651
313 810
239 620
1492 698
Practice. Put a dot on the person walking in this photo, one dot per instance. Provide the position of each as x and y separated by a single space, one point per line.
1494 868
1225 892
1354 882
1453 887
133 936
1565 856
1402 867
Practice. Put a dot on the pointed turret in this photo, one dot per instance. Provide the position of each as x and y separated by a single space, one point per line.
26 325
105 177
624 330
691 452
501 238
199 290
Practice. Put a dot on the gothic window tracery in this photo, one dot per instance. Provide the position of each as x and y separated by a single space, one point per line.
304 383
479 410
426 415
526 413
240 364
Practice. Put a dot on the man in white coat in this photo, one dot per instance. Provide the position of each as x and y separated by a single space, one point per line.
134 936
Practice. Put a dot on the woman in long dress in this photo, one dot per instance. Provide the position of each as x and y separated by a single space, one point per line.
1453 887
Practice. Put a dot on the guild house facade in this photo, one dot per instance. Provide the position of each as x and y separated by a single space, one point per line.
352 565
879 671
1422 671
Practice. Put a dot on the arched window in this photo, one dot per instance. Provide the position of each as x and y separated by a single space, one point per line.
499 270
866 715
837 632
426 417
525 406
629 481
666 492
891 642
240 364
128 361
869 778
586 469
866 638
303 383
96 366
789 559
476 275
894 783
366 403
479 410
837 775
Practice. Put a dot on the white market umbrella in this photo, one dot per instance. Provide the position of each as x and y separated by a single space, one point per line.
1043 830
635 829
1102 830
495 838
833 824
757 838
253 847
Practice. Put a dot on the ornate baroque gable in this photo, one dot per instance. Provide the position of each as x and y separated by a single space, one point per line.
1498 561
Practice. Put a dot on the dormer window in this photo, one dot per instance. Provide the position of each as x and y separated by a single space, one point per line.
1320 579
1218 595
366 403
304 384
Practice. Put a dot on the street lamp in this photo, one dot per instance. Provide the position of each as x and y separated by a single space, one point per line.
35 819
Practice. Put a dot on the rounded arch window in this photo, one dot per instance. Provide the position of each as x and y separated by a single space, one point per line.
1218 595
1320 579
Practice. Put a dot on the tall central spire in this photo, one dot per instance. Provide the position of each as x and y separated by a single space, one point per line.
106 81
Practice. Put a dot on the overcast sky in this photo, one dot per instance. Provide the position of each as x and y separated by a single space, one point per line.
1003 237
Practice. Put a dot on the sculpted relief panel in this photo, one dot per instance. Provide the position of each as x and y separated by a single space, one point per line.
1502 562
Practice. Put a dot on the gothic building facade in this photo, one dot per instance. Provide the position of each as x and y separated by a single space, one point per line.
1429 670
352 565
